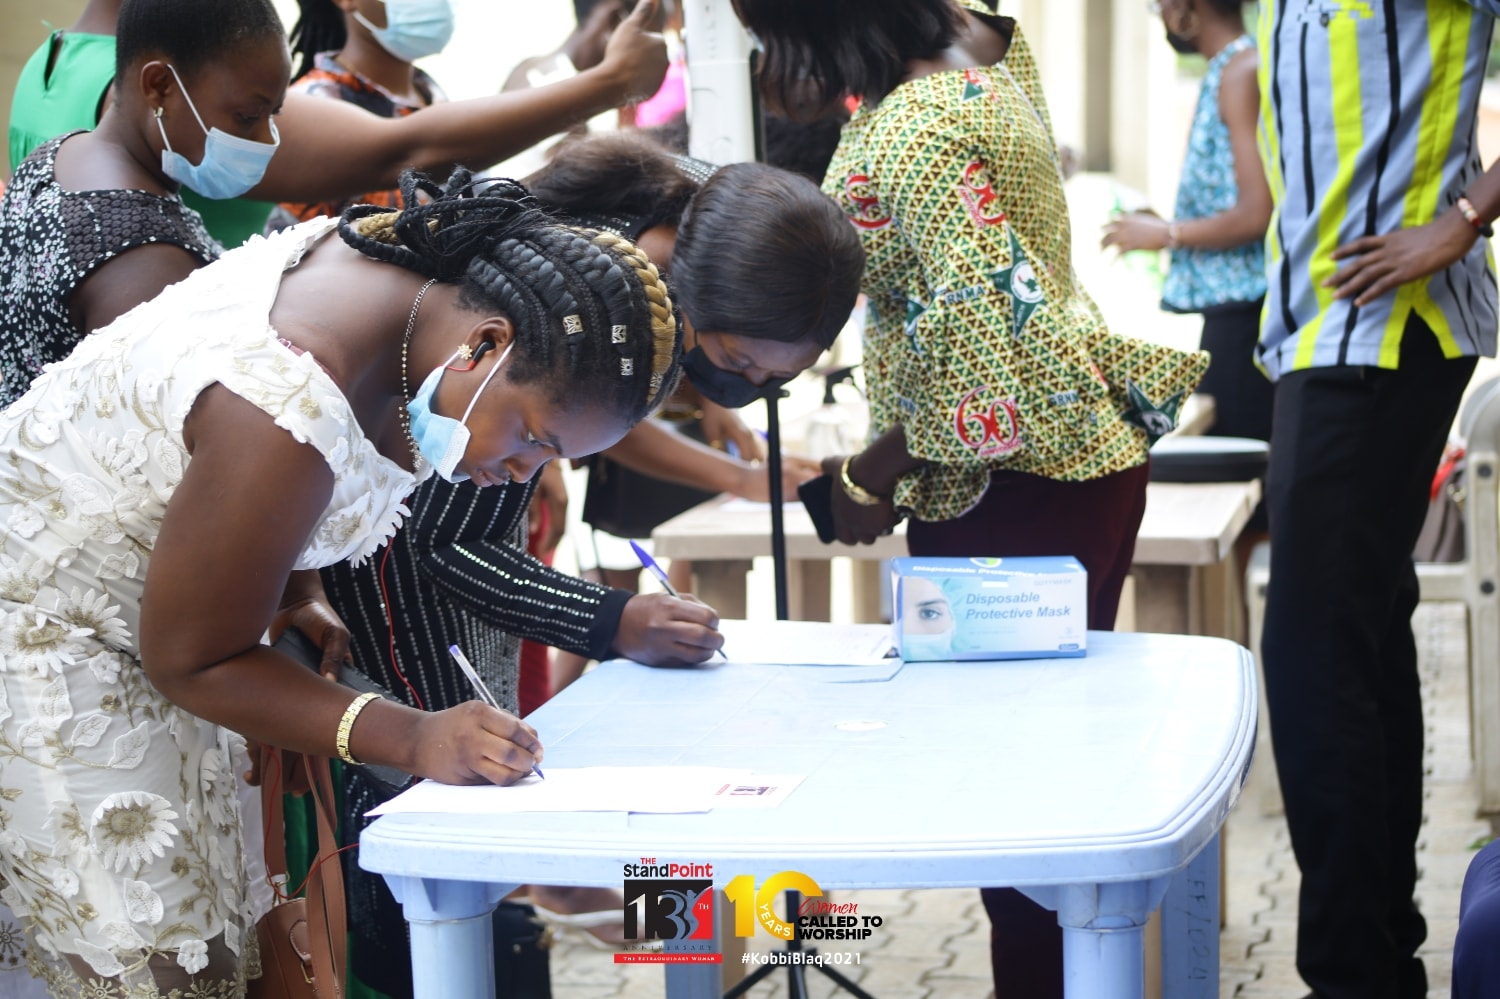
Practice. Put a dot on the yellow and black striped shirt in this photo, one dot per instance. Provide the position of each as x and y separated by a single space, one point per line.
1369 113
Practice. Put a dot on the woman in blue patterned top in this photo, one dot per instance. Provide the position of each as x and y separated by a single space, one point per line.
1223 206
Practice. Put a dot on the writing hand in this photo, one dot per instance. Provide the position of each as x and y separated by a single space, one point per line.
474 743
662 630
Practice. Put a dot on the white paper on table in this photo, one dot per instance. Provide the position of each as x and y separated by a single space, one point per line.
575 789
885 670
809 643
757 791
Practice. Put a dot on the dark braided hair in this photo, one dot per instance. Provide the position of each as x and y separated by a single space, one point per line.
320 28
593 319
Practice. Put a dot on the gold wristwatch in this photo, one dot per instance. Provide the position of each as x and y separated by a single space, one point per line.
855 491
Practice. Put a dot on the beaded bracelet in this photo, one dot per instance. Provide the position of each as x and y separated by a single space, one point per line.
1467 207
346 726
1174 235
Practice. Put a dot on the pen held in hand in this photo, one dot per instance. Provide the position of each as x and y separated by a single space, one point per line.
481 689
649 564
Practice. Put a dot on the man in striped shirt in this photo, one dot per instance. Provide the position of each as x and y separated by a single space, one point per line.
1381 297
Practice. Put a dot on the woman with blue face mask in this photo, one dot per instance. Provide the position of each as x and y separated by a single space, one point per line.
174 485
361 52
94 220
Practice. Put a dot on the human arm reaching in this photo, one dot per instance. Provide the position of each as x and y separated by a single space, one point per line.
330 148
468 559
249 498
1246 221
661 452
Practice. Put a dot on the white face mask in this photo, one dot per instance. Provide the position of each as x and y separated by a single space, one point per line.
442 440
230 165
413 28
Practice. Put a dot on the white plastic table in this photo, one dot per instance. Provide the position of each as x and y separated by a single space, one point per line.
1091 784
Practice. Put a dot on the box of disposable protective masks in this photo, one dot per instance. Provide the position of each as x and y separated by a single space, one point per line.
989 608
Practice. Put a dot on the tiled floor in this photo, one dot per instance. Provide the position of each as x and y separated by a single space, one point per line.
937 942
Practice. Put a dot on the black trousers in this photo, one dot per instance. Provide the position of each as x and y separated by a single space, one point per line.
1353 451
1243 397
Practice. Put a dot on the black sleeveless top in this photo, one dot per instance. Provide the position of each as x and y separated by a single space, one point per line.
51 239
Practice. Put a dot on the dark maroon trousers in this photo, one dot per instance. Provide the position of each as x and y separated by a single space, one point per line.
1095 522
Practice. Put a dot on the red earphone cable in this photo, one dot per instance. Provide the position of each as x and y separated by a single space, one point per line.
390 620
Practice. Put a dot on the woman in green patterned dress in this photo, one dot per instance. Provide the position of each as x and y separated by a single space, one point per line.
1007 419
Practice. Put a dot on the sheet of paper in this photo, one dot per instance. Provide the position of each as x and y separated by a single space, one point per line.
879 673
756 791
807 643
577 789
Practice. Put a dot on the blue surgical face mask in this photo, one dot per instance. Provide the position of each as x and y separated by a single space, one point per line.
442 439
927 648
230 165
413 28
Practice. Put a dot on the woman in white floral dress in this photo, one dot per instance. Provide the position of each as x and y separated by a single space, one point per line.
165 492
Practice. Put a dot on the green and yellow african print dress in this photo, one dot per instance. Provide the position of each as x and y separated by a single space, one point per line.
980 340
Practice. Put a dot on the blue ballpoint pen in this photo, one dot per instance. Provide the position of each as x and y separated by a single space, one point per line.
649 564
484 692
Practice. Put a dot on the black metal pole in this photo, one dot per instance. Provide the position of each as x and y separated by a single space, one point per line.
778 523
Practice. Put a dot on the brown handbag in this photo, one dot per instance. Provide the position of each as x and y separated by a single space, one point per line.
302 939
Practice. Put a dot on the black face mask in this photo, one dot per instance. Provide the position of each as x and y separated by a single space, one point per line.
724 388
1181 45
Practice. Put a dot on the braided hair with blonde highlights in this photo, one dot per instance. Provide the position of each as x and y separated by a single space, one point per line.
592 317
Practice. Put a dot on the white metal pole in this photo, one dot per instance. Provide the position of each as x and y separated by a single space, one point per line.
721 119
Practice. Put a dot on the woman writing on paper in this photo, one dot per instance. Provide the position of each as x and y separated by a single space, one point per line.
172 484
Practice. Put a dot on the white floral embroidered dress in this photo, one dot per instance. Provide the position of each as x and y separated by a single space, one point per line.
120 836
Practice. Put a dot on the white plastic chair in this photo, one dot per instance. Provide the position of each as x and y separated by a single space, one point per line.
1475 582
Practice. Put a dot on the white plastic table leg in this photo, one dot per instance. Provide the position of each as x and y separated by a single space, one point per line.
1190 929
452 942
1104 963
1103 935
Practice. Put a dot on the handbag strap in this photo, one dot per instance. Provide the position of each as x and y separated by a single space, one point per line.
327 918
273 815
